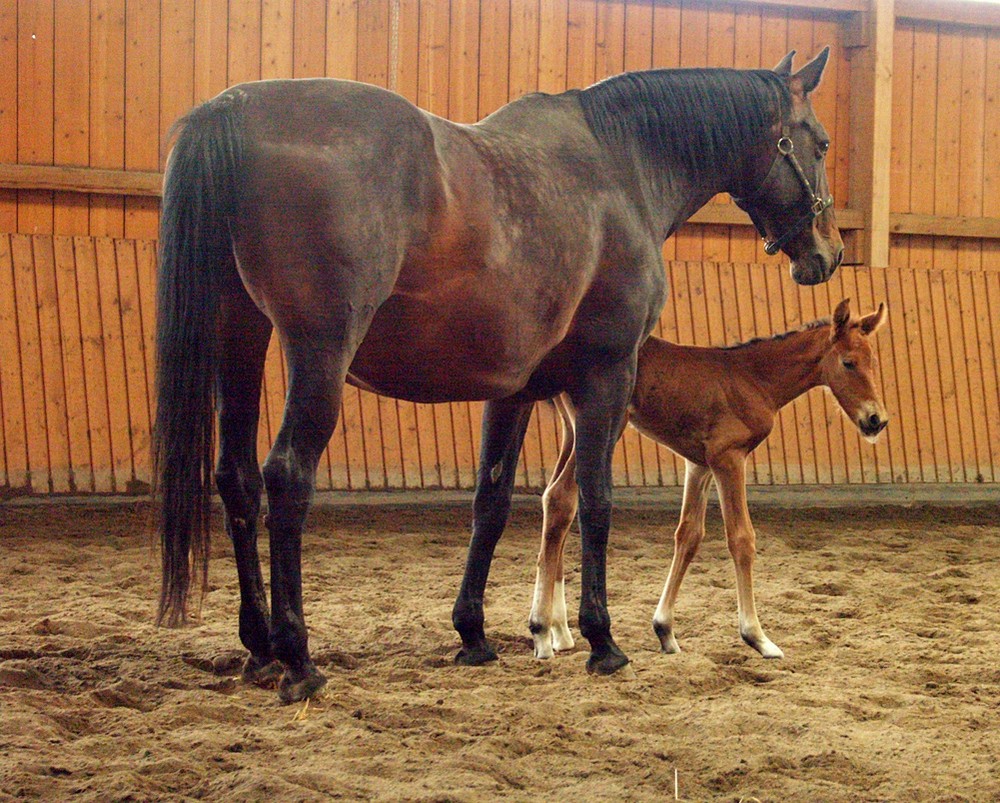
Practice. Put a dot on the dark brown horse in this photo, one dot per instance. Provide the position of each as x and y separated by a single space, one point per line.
507 261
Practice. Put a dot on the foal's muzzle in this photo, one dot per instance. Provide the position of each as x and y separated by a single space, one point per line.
872 425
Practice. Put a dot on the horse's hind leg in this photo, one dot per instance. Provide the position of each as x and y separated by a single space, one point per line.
244 335
548 620
316 375
687 538
504 425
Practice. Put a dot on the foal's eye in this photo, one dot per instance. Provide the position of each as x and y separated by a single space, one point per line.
850 365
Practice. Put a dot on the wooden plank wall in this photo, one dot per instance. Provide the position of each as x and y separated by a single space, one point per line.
98 83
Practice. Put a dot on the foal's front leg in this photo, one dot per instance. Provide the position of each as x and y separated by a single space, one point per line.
687 538
730 477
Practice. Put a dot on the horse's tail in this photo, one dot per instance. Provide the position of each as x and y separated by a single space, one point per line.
199 199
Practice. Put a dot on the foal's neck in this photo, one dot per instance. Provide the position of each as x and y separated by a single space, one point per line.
787 365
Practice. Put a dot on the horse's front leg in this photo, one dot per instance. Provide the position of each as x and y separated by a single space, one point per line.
244 335
316 374
730 477
504 425
600 403
687 538
548 619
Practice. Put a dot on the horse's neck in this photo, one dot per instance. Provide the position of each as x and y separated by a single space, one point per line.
787 366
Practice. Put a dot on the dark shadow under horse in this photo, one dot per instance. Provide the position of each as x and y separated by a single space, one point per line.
505 261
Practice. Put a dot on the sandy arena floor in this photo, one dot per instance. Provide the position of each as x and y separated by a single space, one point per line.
890 689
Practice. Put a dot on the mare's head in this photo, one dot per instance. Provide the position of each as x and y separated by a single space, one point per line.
787 194
848 369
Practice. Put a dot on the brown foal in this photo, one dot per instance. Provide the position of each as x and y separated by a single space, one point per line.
712 406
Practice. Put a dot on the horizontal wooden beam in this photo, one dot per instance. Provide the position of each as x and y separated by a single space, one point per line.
732 215
940 226
80 179
986 15
811 5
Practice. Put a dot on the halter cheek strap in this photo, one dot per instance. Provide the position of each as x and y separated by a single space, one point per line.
817 204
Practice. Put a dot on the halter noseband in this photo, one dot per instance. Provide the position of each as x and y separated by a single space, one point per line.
817 205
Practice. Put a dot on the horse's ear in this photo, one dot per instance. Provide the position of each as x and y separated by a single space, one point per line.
810 74
784 67
841 319
871 323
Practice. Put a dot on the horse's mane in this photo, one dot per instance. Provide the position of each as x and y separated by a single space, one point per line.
807 327
688 116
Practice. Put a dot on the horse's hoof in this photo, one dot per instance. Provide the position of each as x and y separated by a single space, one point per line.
476 656
608 662
261 673
298 686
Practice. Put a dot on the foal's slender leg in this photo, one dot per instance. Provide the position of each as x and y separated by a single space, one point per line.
504 425
548 620
244 334
687 538
316 376
600 403
730 477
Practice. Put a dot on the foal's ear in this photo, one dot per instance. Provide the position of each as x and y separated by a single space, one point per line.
871 323
841 319
784 67
810 74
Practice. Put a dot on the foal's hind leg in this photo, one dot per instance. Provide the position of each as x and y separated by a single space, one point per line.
548 619
244 335
316 373
687 537
504 425
730 477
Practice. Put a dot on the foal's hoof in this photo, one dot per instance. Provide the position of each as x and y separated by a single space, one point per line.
476 655
298 686
259 672
607 662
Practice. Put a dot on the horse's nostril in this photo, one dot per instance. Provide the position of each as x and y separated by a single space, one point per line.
874 420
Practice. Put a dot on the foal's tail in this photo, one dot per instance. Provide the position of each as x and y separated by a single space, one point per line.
199 199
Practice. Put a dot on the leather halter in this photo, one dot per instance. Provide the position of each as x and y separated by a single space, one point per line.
817 205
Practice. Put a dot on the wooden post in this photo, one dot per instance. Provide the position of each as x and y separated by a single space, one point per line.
868 41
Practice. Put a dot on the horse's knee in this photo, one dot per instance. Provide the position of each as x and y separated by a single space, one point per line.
239 490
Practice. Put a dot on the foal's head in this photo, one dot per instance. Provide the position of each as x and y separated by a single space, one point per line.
848 369
788 197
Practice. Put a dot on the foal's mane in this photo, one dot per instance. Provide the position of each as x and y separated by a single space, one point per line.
690 116
807 327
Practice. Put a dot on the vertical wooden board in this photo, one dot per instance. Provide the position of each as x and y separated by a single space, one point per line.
15 434
276 43
689 239
145 254
923 146
609 43
8 110
142 112
524 43
788 423
428 440
928 379
71 109
373 42
667 53
975 374
439 468
353 427
798 417
107 109
529 473
991 139
638 54
831 100
819 433
463 63
92 334
581 43
720 53
134 342
988 318
468 419
972 128
413 440
916 425
374 455
342 39
244 32
211 48
390 433
773 447
53 382
897 393
309 39
947 123
114 364
434 50
553 30
902 122
32 376
946 306
34 109
494 50
405 61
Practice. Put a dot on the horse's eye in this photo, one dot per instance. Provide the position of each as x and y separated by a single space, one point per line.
823 148
850 365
